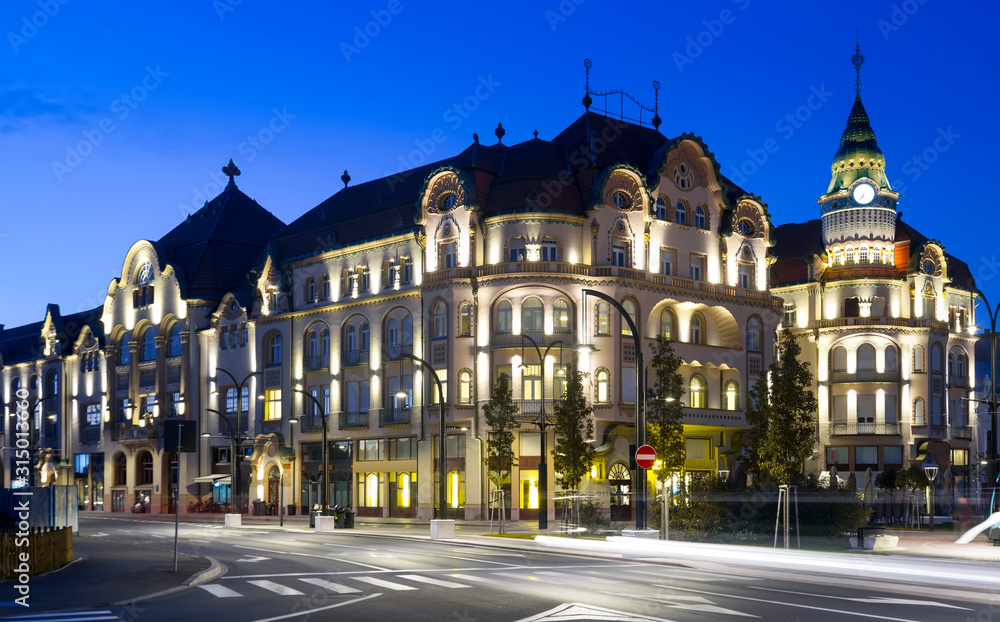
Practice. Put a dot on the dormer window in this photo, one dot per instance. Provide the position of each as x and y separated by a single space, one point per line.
661 209
448 202
621 201
143 294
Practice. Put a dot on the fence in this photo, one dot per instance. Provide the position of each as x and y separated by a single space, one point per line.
47 550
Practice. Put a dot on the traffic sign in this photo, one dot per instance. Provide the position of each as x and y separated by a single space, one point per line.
645 457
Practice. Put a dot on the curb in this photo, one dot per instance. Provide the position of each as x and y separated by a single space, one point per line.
214 570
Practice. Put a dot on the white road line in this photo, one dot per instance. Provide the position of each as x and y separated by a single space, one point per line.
470 559
277 588
571 579
220 591
432 581
299 614
326 557
874 600
329 585
348 546
787 604
156 536
520 577
474 578
201 541
399 587
687 575
55 617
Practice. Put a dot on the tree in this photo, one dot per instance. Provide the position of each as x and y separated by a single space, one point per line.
573 426
781 411
665 432
501 418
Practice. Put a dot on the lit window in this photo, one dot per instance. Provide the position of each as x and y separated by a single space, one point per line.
560 316
601 319
603 390
440 315
732 395
465 387
629 306
667 324
272 405
697 392
465 319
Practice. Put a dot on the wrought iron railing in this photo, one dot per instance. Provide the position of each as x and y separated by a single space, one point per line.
353 420
859 428
865 375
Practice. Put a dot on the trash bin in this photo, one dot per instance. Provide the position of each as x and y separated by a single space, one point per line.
349 518
258 507
339 513
291 511
312 518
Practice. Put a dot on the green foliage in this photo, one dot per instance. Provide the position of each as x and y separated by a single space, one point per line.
501 418
665 432
912 478
573 426
781 416
886 480
593 517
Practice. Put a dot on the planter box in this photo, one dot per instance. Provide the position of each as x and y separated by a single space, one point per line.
875 543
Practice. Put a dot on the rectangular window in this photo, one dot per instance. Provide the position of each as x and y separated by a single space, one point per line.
450 252
365 279
407 269
531 444
865 457
272 405
352 397
666 262
364 388
517 251
310 289
231 401
697 267
531 383
628 385
442 375
325 291
960 457
840 410
93 415
549 248
371 449
619 250
698 449
789 316
893 456
744 276
866 409
503 370
402 448
559 381
836 456
890 409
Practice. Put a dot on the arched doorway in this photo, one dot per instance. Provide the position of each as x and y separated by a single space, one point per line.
273 488
621 488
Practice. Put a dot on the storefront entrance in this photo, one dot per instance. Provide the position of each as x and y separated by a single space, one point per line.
621 487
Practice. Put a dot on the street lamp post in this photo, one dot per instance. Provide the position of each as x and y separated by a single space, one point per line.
640 401
236 431
233 442
442 466
930 471
991 400
542 422
326 449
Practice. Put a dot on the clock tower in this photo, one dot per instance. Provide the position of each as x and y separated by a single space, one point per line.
859 207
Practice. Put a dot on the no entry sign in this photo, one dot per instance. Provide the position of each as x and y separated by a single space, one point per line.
645 457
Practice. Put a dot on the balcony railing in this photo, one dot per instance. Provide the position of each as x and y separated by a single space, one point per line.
957 382
865 375
91 435
532 409
353 358
500 340
963 432
394 351
394 416
858 428
353 420
311 422
128 432
314 362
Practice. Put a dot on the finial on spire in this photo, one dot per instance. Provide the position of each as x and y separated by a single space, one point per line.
345 178
586 97
857 59
231 170
499 133
656 105
536 133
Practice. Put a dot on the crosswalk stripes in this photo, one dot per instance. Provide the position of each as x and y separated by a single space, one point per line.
277 588
389 585
333 587
432 581
219 591
70 616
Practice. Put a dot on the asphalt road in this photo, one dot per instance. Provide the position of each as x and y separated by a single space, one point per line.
276 575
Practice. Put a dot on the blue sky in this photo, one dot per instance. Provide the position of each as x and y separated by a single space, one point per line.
116 118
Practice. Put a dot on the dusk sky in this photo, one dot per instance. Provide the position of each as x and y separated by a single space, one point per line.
117 117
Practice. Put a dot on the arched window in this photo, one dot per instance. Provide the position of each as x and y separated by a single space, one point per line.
680 215
960 365
532 315
601 319
951 364
753 335
696 389
365 333
124 353
661 209
560 316
866 356
407 330
174 341
144 476
699 217
440 315
324 339
629 305
392 330
274 350
120 475
732 395
504 315
602 386
51 383
919 415
352 339
918 358
667 324
936 356
148 350
313 343
890 358
465 387
696 329
465 319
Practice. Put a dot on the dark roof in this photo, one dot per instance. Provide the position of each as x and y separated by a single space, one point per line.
21 343
216 246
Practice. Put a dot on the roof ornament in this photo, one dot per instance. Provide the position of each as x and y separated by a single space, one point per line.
475 138
656 105
586 97
231 170
345 178
622 95
857 59
536 133
500 133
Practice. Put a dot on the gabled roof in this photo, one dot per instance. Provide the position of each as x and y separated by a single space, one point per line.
216 246
25 343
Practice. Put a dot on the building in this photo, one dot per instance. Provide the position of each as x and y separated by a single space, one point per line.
475 265
887 322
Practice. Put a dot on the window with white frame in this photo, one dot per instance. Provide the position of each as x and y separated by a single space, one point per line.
518 252
666 261
549 250
697 267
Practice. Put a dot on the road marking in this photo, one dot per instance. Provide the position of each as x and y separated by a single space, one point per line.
469 577
326 557
156 536
277 588
399 587
875 600
99 534
470 559
251 559
786 604
333 587
299 614
220 591
71 617
577 578
514 575
432 581
348 546
581 611
202 541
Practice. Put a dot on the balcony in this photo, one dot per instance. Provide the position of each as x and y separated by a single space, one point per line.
129 432
961 432
499 341
394 416
857 428
348 420
315 362
312 422
353 358
91 435
394 351
529 410
959 382
865 375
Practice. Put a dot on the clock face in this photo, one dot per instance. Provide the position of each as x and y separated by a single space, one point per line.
928 266
864 193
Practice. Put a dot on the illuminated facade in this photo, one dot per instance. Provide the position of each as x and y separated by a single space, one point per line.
886 320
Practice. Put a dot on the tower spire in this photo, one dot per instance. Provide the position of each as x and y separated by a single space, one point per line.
857 59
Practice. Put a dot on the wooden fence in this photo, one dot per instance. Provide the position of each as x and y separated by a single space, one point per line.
47 549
